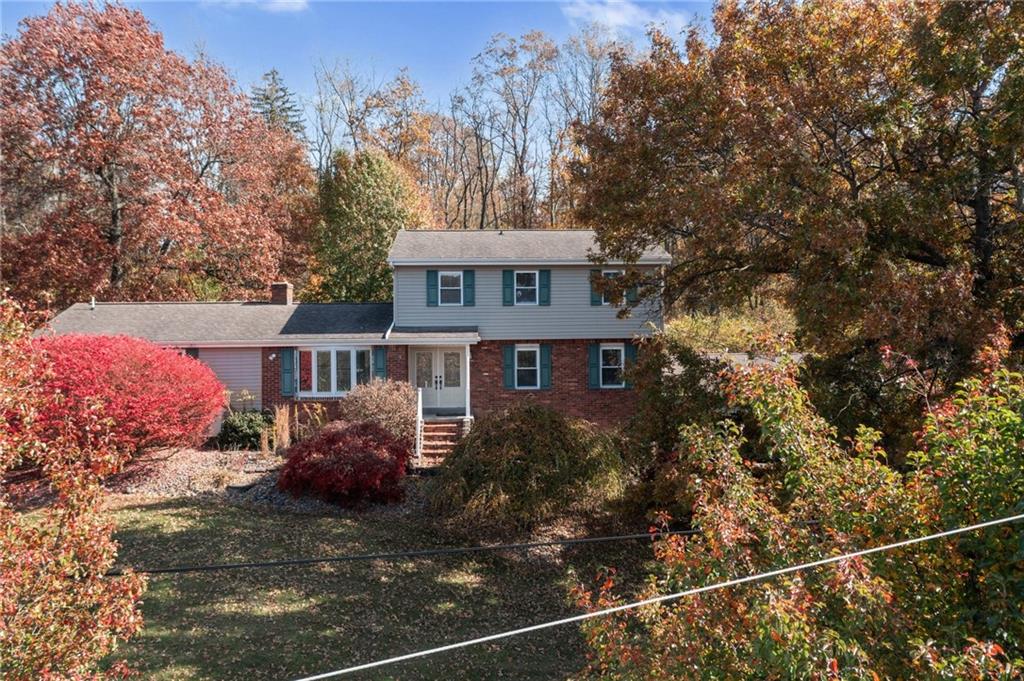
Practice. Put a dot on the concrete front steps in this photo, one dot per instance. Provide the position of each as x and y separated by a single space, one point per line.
440 436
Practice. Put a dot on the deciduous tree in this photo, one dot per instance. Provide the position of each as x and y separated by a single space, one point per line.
130 172
364 201
786 491
870 152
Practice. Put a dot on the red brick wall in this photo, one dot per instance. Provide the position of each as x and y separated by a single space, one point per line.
568 394
398 362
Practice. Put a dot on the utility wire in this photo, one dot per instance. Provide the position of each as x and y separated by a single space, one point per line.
397 555
662 599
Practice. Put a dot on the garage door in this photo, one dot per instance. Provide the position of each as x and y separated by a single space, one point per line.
239 369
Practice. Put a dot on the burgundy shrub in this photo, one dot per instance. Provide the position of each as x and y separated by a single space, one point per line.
347 464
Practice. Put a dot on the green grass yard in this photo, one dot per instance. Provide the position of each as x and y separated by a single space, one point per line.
283 623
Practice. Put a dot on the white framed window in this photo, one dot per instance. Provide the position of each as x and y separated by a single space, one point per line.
609 274
526 287
527 367
331 371
613 357
449 288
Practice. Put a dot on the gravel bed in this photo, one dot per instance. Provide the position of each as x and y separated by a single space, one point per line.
188 472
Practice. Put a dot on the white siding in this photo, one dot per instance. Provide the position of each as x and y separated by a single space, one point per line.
570 314
239 369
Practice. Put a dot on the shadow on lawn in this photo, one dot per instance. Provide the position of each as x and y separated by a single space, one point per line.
280 623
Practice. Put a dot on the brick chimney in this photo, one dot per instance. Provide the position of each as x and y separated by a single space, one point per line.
281 293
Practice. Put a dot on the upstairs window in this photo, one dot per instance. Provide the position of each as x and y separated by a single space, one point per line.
609 274
329 372
450 288
526 288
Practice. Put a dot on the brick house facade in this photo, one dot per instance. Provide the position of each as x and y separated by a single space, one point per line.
473 313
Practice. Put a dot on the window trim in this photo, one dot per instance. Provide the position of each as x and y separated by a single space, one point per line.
605 273
462 287
535 287
601 366
528 347
353 351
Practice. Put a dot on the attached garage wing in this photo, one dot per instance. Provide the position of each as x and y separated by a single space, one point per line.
240 370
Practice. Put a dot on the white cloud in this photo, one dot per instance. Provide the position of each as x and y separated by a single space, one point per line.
284 5
625 18
265 5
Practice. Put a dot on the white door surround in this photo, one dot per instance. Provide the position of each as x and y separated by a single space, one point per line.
443 375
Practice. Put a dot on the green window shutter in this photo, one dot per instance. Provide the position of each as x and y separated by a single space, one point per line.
630 362
594 365
507 288
595 295
508 365
545 366
632 295
432 288
468 288
544 287
287 358
192 352
380 362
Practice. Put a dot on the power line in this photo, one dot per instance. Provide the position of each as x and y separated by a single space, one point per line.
397 555
662 599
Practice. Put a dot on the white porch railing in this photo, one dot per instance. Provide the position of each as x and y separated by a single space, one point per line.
419 426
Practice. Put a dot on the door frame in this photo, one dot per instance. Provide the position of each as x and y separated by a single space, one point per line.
432 396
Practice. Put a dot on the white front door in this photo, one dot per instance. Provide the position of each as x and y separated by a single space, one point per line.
441 373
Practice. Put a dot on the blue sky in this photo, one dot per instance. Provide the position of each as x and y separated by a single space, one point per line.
436 40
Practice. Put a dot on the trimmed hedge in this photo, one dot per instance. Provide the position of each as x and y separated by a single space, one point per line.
347 464
523 466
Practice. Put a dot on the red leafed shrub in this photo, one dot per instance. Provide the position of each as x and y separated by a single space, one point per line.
154 397
60 616
347 463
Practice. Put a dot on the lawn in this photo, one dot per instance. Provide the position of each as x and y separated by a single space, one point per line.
283 623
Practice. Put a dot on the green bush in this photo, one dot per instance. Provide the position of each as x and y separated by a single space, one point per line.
524 466
242 429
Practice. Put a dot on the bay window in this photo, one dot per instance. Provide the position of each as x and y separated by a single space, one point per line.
329 372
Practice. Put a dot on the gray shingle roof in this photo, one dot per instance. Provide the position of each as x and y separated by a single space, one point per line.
235 323
561 246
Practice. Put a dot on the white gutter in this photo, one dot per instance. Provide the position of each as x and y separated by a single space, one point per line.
462 340
483 262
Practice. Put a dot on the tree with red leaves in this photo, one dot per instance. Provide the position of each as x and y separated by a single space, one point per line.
59 615
785 490
131 172
154 396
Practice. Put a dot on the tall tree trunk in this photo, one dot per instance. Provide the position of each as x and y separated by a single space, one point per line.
115 236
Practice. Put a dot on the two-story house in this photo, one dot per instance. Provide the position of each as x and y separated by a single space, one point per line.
479 319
